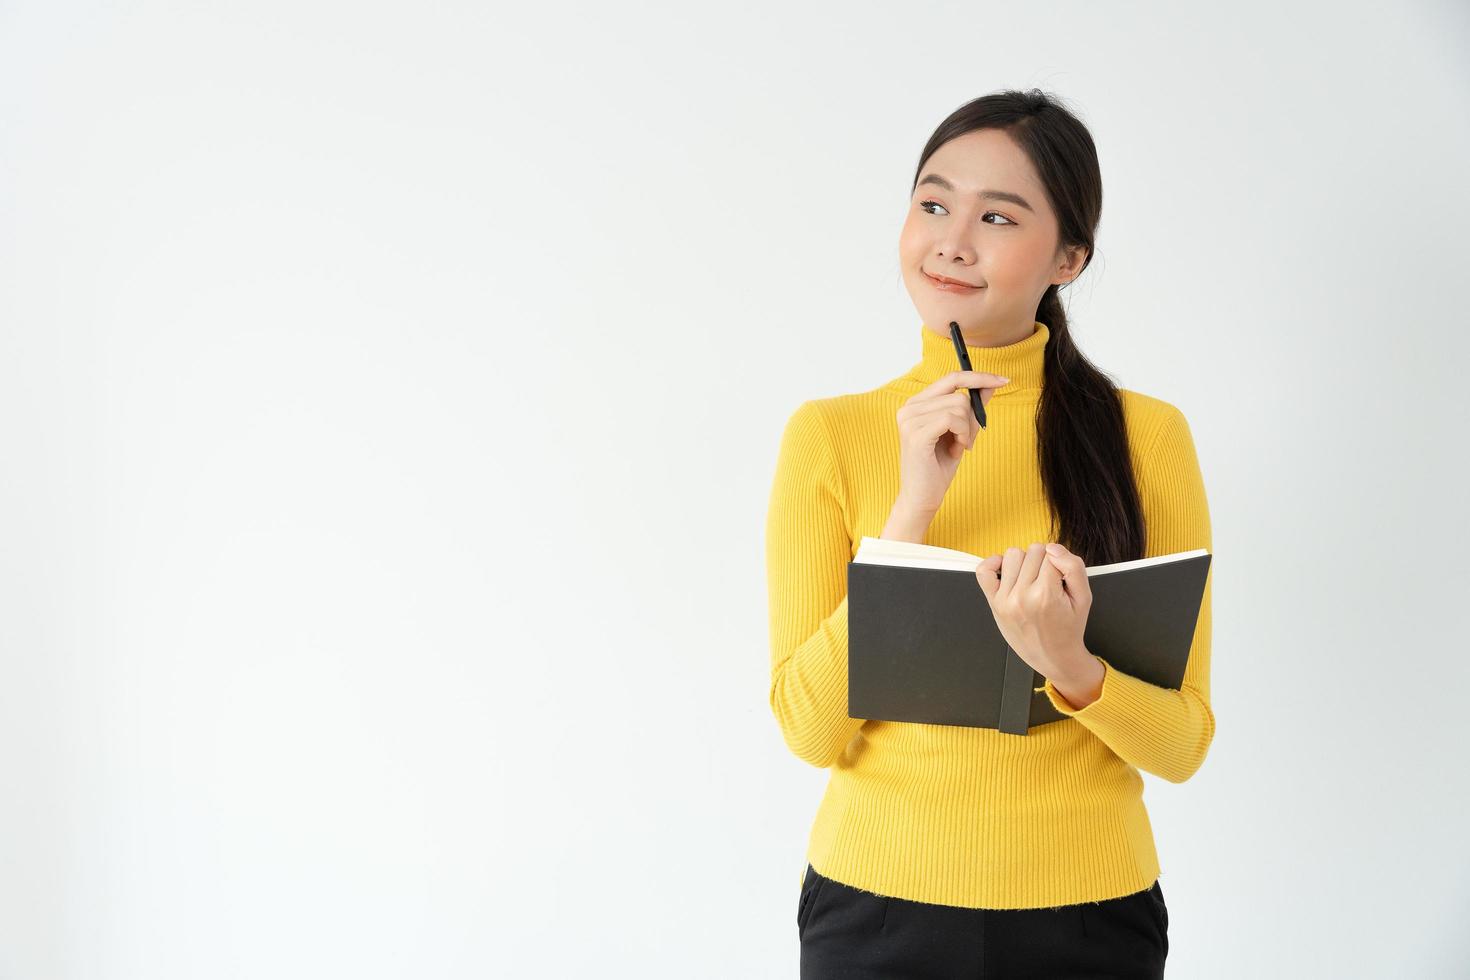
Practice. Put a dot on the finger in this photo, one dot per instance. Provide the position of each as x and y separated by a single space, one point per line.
1030 565
959 419
1048 575
988 574
931 428
1009 568
956 403
1074 574
947 383
966 427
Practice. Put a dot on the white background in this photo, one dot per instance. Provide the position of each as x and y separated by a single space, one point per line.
390 395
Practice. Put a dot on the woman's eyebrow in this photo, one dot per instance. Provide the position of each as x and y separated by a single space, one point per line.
1015 199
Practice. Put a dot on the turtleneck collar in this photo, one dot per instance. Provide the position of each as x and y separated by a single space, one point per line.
1023 362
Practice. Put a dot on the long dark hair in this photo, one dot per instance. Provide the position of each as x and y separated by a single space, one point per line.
1082 445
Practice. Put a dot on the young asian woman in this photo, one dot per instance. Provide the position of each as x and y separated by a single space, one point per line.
937 850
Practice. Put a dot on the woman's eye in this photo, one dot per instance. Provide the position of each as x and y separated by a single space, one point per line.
925 206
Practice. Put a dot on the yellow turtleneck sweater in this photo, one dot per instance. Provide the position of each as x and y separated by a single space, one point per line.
965 816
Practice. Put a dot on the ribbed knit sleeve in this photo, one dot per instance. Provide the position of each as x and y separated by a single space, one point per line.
1163 731
807 551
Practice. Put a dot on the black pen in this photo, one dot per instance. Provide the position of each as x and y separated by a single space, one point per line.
959 348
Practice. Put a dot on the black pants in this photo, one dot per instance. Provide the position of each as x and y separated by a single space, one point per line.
851 934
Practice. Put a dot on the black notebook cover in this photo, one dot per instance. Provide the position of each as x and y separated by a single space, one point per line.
923 645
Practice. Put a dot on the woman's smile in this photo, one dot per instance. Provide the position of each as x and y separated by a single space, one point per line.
950 285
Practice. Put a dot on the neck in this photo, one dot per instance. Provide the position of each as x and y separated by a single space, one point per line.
1023 361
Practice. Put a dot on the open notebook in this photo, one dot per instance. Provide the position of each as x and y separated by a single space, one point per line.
923 645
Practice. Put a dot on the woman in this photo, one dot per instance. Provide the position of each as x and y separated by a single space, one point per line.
945 851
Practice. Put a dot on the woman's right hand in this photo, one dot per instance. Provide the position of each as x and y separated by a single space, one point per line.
935 427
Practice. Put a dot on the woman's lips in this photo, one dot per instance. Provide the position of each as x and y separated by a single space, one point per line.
951 287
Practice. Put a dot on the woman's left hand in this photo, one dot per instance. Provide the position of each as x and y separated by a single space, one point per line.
1040 601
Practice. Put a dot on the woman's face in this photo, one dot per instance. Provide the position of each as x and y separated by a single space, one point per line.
1007 249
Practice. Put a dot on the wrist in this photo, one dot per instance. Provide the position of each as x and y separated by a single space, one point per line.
913 511
907 522
1080 681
